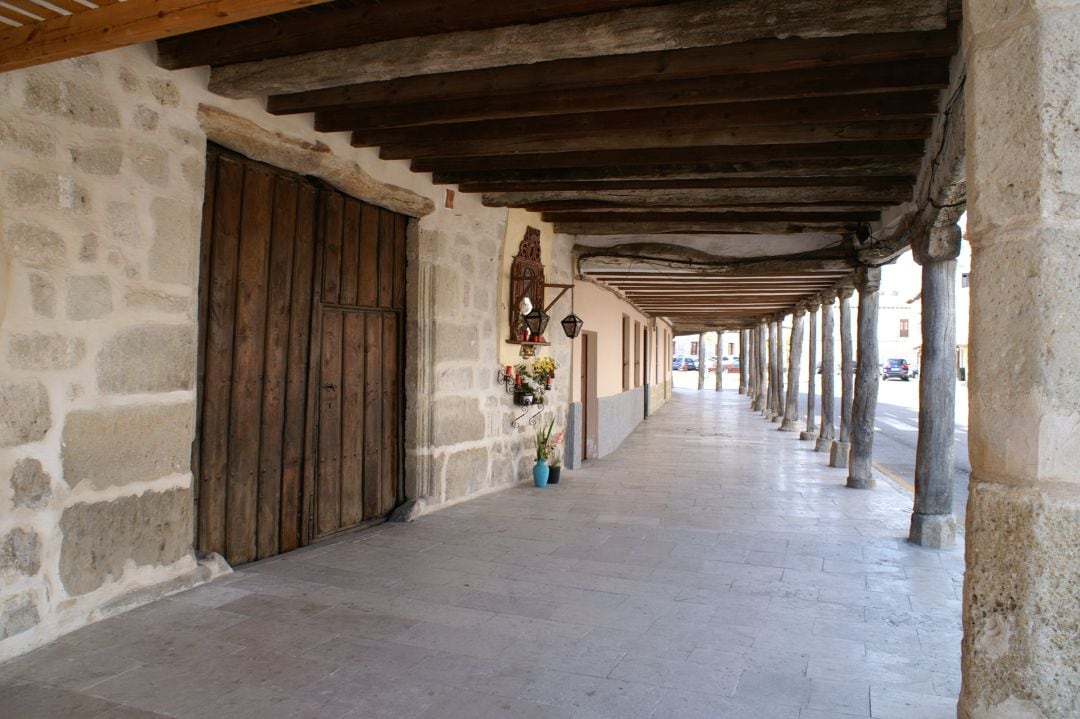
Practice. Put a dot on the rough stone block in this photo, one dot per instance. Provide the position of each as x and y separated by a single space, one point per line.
36 246
18 614
456 343
174 252
27 137
1020 624
79 103
45 351
31 486
89 297
466 472
88 251
129 80
154 528
456 419
46 191
147 358
42 295
98 160
122 221
164 91
24 412
20 552
151 163
145 119
454 380
159 302
121 445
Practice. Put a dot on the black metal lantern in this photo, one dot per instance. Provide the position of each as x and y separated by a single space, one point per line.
572 325
537 322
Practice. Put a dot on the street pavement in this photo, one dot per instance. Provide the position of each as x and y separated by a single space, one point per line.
896 429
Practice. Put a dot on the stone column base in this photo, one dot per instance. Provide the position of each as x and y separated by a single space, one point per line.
933 531
838 453
807 436
824 444
789 425
860 482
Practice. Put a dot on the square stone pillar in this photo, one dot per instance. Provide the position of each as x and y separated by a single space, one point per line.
1021 646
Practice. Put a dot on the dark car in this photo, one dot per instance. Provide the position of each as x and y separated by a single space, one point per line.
684 363
898 368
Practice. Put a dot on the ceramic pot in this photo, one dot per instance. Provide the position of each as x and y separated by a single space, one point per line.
540 473
553 473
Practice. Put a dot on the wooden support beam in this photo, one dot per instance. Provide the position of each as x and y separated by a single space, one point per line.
659 135
603 204
703 228
649 198
827 167
120 24
700 118
733 158
550 78
718 217
930 74
668 26
897 185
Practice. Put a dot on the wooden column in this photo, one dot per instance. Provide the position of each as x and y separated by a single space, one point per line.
778 392
770 395
827 432
864 406
719 360
932 521
743 356
761 367
838 452
811 389
790 421
701 361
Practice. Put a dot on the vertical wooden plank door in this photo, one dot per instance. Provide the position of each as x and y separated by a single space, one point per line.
300 361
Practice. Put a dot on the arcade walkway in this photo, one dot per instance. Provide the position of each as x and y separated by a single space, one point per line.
712 567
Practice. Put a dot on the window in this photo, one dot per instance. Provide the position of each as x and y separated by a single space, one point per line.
694 348
625 353
903 328
965 279
637 354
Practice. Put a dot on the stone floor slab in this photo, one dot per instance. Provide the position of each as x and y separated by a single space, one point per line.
710 567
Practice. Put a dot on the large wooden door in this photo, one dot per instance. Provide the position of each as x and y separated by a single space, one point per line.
292 301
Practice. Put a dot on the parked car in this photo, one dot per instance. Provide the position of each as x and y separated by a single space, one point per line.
710 364
684 363
898 368
731 364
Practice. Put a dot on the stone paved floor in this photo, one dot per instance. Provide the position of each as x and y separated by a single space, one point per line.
712 567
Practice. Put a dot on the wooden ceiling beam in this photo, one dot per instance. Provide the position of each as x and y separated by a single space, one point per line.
703 228
357 23
646 216
659 135
668 26
892 184
603 204
830 167
791 85
701 118
758 56
691 197
117 25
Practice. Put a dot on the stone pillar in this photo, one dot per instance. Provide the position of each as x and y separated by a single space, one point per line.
827 433
719 360
701 361
932 521
743 356
761 366
778 392
790 421
838 452
811 389
1021 653
864 406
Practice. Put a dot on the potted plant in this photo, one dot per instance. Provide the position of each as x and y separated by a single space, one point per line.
554 458
540 469
535 379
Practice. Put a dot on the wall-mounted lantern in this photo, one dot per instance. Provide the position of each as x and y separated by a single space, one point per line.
528 312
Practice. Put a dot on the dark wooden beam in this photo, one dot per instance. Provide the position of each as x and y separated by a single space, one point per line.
114 25
704 228
669 26
796 84
356 23
828 167
894 185
660 136
646 216
759 57
697 119
754 196
696 204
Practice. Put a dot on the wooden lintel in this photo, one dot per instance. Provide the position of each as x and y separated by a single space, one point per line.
129 23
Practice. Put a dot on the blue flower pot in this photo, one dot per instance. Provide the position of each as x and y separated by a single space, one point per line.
540 473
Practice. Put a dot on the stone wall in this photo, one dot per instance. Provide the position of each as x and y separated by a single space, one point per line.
99 223
100 209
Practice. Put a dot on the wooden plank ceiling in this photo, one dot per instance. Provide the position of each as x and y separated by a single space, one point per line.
681 142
